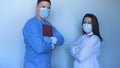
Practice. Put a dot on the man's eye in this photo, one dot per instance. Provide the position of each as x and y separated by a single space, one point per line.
43 6
89 23
48 7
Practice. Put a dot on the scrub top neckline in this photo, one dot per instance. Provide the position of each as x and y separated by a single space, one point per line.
40 21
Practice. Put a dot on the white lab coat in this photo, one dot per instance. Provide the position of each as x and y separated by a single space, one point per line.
86 57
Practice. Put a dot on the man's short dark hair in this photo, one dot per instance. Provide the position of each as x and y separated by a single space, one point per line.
43 0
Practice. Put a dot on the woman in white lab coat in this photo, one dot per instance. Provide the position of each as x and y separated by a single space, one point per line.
87 48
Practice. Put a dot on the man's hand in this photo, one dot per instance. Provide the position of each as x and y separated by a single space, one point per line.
47 39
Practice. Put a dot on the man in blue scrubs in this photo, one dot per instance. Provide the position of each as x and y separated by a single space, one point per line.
39 47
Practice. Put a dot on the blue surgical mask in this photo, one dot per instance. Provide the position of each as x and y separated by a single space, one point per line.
87 28
44 12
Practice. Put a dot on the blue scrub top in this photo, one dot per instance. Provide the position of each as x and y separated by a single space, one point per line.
38 53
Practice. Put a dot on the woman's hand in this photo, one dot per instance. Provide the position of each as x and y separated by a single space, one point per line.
76 49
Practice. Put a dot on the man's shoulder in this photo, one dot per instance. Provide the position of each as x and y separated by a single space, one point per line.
29 22
31 19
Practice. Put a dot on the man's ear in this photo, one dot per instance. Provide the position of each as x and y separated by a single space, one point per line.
36 8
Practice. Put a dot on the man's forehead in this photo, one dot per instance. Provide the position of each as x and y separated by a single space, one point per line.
44 2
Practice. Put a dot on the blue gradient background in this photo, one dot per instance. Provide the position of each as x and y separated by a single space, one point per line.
66 16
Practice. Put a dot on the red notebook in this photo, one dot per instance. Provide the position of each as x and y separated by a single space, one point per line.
47 30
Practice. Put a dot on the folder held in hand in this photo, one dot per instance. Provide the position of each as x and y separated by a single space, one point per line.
47 30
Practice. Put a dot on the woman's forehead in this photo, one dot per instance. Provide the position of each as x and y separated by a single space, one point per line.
87 19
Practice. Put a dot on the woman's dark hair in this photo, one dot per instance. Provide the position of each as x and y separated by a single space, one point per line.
95 25
43 0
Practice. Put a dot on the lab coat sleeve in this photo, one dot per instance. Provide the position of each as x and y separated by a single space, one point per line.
72 51
59 36
33 36
90 46
87 51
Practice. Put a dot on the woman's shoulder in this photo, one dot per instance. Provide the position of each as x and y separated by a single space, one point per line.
81 37
95 37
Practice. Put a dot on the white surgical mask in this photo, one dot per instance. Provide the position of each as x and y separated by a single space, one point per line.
44 12
87 28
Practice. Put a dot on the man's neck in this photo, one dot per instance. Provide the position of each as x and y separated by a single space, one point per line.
42 19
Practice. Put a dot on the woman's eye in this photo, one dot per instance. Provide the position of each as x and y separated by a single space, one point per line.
43 6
